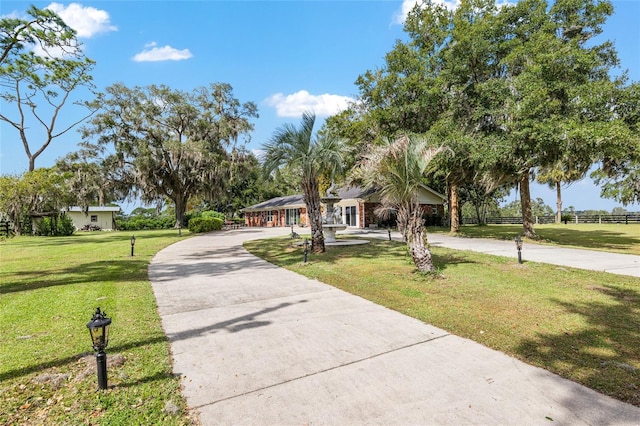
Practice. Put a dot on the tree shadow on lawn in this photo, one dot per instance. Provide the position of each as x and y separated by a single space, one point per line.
442 261
106 270
81 237
605 356
378 250
591 239
596 239
60 362
292 252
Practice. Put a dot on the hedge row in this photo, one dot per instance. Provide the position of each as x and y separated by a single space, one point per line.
205 224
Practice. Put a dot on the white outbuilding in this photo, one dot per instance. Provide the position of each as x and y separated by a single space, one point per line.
97 217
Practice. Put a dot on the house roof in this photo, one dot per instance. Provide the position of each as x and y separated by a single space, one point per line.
94 209
290 201
365 194
346 193
350 192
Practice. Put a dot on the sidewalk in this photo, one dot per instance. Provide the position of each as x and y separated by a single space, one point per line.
260 345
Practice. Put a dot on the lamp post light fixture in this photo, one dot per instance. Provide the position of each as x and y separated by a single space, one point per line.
518 241
133 243
99 330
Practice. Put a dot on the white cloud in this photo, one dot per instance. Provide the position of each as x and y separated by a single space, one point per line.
295 104
259 153
87 21
152 53
55 51
408 5
13 15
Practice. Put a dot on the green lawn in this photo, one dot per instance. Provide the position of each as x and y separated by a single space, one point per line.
618 238
582 325
49 288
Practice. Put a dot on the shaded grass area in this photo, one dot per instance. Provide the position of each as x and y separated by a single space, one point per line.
49 288
582 325
618 238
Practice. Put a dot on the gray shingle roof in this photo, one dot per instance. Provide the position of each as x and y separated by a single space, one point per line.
279 202
355 192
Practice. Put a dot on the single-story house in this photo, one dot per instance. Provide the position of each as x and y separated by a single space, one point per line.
103 217
355 209
280 211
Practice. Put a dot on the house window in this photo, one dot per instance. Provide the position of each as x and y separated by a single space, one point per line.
270 216
292 217
350 215
94 218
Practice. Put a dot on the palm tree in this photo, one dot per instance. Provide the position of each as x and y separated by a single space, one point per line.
562 171
296 147
396 169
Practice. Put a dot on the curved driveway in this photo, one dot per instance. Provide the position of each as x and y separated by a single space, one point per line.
260 345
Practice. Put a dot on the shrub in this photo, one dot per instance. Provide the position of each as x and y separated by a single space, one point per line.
213 213
65 226
52 226
43 227
205 224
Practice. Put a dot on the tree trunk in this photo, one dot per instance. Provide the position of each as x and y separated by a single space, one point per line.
181 209
402 221
454 208
16 224
312 201
525 204
558 202
478 213
417 242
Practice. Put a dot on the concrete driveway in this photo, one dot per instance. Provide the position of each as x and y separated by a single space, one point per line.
259 345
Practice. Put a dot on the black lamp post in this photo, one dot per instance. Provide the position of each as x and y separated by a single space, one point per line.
133 243
99 330
306 247
389 231
518 241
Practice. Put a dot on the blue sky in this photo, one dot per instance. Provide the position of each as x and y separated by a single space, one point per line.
286 56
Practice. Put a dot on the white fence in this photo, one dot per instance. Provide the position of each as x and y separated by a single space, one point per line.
597 218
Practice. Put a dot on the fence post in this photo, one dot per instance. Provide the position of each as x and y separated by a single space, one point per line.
576 218
599 219
626 219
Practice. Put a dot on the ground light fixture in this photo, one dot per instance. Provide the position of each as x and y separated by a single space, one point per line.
133 243
518 241
99 330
